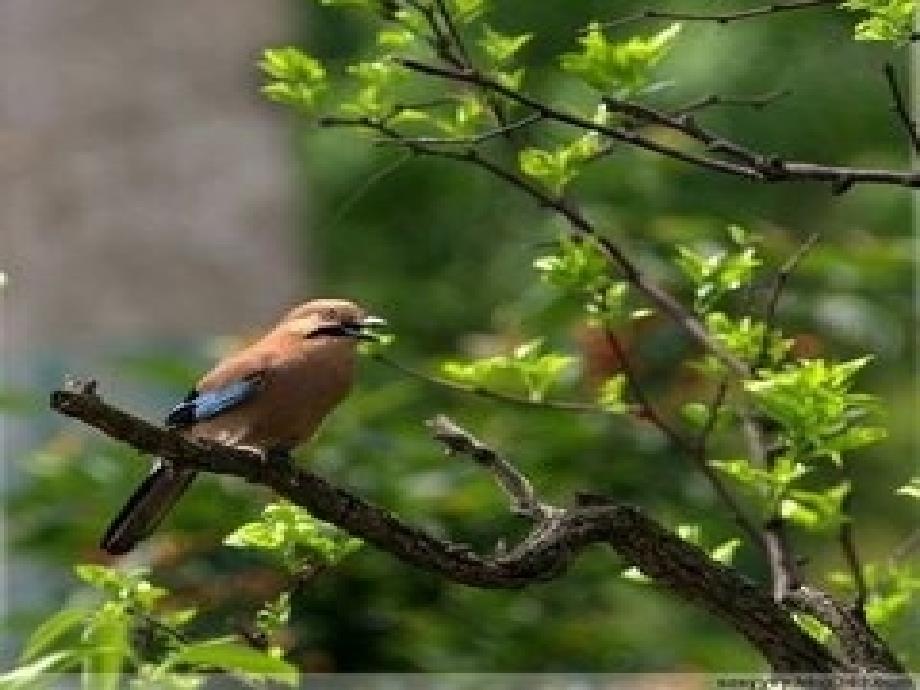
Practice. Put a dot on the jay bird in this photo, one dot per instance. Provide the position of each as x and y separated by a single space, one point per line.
271 396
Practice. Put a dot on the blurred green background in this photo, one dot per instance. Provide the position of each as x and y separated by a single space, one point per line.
445 253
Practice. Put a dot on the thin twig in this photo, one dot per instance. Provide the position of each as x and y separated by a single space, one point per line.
646 409
779 284
760 167
757 102
465 141
581 227
520 491
482 392
900 106
784 566
720 17
848 546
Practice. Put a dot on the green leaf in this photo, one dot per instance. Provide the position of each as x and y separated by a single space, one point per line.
633 574
552 168
620 67
468 11
577 266
108 645
233 656
610 394
689 533
912 488
527 369
813 403
500 48
696 413
888 20
29 677
725 553
298 78
51 630
293 536
813 626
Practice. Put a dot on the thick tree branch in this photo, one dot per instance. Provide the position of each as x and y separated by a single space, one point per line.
671 562
754 166
859 643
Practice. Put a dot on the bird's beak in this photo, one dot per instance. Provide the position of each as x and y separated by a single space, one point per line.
364 329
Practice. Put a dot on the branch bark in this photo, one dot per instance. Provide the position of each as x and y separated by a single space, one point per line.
672 563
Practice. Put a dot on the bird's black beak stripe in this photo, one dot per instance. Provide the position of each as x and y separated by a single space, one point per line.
362 330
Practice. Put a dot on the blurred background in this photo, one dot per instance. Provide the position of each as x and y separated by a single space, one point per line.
155 210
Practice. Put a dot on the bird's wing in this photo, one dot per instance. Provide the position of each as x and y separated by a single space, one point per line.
200 405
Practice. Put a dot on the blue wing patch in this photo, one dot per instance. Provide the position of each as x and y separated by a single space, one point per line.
200 406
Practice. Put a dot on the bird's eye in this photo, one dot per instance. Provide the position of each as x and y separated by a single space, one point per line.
330 315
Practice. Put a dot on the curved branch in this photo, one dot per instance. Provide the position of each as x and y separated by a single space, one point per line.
672 563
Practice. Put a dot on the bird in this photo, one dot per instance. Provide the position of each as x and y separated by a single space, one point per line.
271 396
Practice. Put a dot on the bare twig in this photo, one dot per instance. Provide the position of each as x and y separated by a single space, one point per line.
646 409
671 562
848 546
480 391
779 284
907 546
524 501
754 166
900 106
465 141
757 102
721 17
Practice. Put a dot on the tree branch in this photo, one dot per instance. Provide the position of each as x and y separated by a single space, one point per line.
581 228
859 643
755 166
487 393
900 106
721 17
715 100
674 564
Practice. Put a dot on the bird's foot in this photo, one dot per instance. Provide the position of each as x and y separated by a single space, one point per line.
278 455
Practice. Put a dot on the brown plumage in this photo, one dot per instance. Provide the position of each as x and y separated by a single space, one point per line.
272 395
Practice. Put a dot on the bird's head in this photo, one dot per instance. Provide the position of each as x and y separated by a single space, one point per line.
332 318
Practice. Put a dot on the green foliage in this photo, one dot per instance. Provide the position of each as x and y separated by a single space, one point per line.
610 395
888 20
745 337
618 68
499 47
98 639
294 537
468 11
375 97
526 370
579 270
555 168
813 402
298 78
715 275
578 266
912 488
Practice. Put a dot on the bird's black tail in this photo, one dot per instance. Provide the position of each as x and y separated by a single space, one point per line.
146 508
